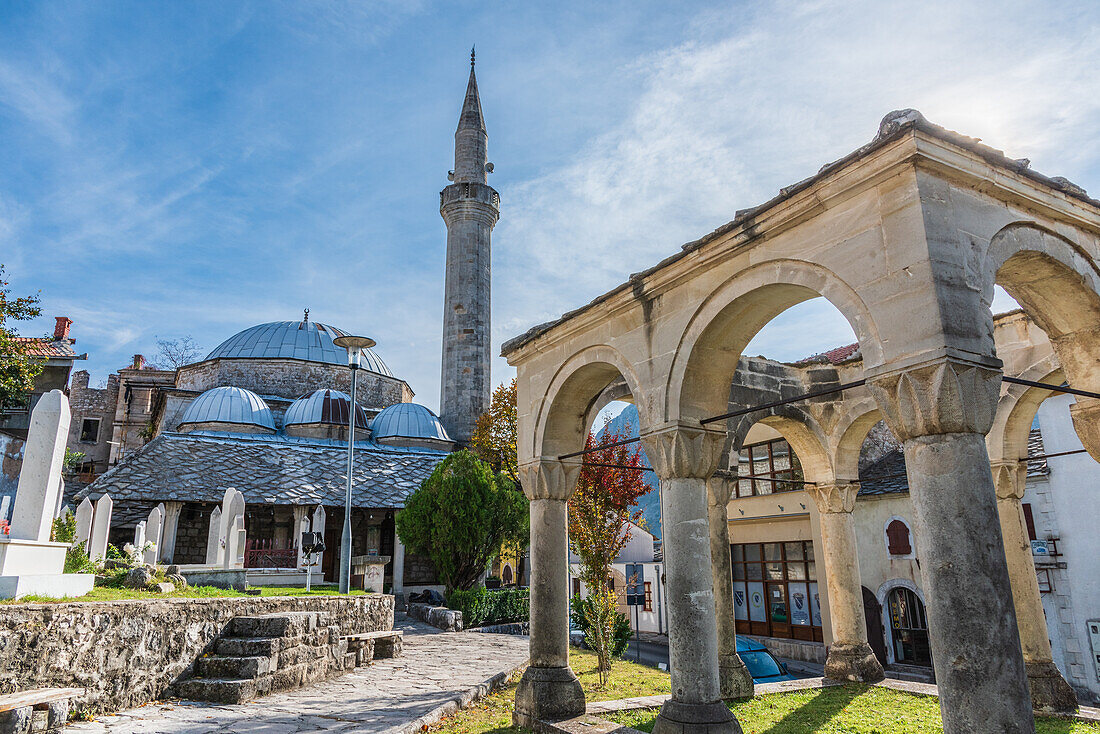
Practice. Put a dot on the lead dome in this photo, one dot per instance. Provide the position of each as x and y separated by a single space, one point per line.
306 340
410 424
232 409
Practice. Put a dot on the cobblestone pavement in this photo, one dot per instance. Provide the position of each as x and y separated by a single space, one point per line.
391 696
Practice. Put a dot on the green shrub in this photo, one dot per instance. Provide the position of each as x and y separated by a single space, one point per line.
580 611
77 561
64 528
481 606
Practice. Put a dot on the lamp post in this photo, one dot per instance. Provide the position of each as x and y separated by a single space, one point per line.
354 346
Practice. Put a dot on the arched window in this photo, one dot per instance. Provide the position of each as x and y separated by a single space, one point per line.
909 628
897 538
506 575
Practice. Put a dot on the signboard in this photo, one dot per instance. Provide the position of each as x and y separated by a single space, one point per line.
1040 548
800 604
756 602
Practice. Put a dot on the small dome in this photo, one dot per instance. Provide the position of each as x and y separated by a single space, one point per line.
229 405
408 420
307 340
324 406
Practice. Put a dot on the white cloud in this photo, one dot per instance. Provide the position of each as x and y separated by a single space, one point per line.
766 98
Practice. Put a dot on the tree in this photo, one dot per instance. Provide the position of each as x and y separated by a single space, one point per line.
175 353
494 439
600 511
18 369
461 516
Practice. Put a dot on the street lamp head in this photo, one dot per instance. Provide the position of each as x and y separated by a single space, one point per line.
355 346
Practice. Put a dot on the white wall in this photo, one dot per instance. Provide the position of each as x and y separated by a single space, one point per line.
1069 511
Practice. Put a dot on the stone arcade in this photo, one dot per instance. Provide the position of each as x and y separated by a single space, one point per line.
906 237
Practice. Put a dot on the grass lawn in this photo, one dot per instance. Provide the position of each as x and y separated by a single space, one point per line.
493 714
850 709
107 593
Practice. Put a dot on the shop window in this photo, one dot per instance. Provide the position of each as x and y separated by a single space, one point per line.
775 590
897 538
767 468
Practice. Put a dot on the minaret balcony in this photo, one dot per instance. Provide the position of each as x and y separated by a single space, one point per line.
467 192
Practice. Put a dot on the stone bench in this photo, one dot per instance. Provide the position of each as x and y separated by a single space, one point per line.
367 646
38 710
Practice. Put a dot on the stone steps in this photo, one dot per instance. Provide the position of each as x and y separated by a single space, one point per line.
265 654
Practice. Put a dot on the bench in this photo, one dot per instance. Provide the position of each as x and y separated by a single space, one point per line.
39 709
367 646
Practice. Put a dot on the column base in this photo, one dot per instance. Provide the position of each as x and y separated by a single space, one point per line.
734 678
854 662
1050 693
677 717
547 694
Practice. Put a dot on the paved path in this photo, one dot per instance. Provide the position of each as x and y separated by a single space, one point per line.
394 696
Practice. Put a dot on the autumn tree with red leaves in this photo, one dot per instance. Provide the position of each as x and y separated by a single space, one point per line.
600 512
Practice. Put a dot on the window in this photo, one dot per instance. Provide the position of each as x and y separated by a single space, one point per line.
89 430
897 538
635 585
775 590
1029 520
768 467
648 598
576 587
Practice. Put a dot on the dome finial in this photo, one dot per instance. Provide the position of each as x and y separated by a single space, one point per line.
472 50
305 316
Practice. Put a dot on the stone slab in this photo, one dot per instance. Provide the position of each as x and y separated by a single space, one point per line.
57 586
21 557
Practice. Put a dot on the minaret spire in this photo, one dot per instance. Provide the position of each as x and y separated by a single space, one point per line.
470 207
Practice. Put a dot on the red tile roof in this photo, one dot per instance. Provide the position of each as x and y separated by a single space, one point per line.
38 347
838 355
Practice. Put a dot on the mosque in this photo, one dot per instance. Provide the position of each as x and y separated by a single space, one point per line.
267 412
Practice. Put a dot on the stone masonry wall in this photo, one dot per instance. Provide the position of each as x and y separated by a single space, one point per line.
127 653
291 378
192 533
92 402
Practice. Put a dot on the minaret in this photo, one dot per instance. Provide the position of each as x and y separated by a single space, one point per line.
470 207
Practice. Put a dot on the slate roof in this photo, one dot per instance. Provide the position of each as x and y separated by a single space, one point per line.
198 467
887 475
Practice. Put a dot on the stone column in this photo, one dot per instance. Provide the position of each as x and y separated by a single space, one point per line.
850 657
734 679
549 689
171 527
398 565
941 410
1049 690
684 457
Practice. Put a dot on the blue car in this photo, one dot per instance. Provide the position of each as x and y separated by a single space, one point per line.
762 665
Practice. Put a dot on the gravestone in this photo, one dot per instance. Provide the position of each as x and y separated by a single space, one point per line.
5 505
29 562
153 527
84 512
139 539
101 527
213 539
232 508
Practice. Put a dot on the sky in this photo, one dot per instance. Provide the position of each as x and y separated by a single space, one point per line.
173 169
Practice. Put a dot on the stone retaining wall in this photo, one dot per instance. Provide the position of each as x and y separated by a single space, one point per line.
448 620
126 653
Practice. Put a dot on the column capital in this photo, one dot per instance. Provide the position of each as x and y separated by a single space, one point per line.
838 497
1086 422
1009 479
172 508
681 450
720 488
549 478
301 512
944 395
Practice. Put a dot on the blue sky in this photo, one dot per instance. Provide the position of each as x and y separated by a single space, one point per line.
195 168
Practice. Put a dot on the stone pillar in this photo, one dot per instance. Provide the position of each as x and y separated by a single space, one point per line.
549 689
684 457
301 518
734 679
171 527
38 493
941 410
850 657
398 565
1049 690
